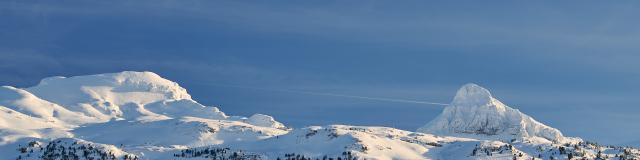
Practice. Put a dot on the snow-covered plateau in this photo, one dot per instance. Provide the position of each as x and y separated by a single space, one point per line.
140 115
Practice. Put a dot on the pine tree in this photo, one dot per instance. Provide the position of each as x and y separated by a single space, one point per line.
570 156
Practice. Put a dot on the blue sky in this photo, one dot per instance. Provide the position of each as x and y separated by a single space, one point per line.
572 65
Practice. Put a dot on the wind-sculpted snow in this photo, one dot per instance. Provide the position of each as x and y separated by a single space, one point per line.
475 113
140 115
184 107
102 95
264 121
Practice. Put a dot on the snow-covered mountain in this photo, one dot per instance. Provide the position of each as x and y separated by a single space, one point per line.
120 95
140 115
475 112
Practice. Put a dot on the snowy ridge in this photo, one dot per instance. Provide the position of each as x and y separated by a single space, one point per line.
102 95
140 115
186 131
475 112
265 121
357 141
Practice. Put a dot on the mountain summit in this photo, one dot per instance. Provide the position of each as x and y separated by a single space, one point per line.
472 94
475 113
123 95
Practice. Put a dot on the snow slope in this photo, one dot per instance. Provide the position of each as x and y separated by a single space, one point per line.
27 103
475 113
140 115
15 125
358 141
186 131
25 115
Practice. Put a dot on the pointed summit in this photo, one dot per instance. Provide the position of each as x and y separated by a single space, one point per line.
475 113
472 94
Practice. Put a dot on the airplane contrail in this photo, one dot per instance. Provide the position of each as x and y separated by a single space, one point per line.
336 95
370 98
